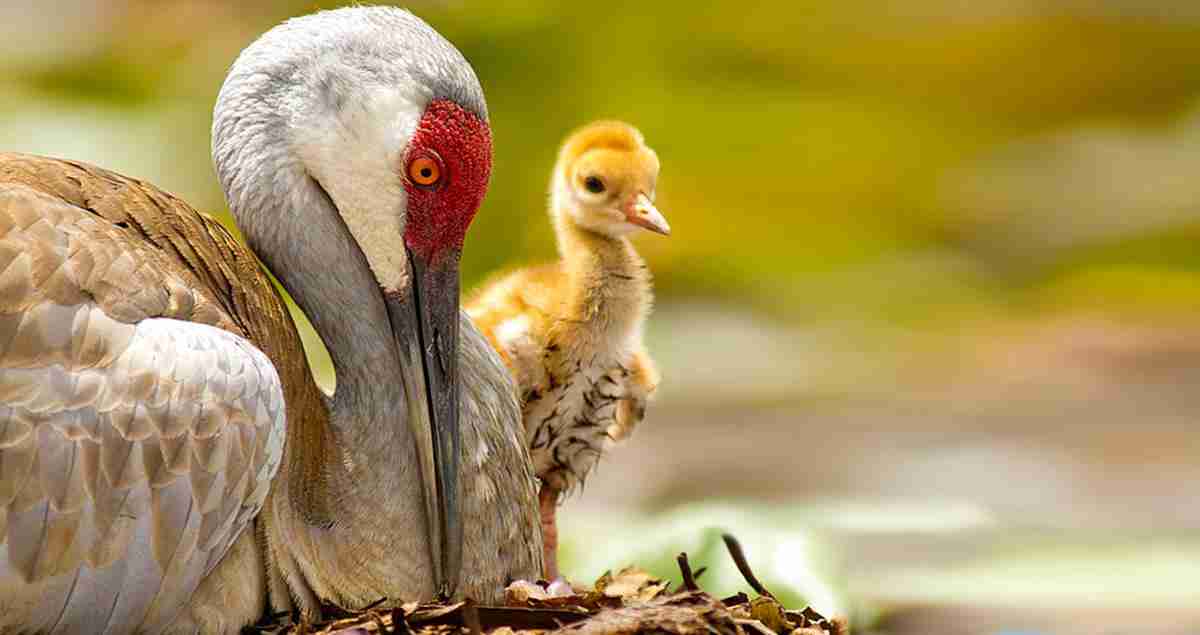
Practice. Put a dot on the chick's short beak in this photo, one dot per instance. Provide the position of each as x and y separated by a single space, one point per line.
643 213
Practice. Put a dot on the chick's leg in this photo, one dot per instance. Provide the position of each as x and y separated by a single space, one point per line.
548 507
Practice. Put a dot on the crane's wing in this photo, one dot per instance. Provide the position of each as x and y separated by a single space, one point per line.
138 431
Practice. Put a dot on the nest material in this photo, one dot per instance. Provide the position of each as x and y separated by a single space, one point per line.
629 602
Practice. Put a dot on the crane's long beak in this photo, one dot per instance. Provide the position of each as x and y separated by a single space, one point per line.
425 324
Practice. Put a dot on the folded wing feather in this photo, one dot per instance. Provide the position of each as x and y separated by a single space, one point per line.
134 446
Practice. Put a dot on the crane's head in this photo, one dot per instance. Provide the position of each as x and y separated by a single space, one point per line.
370 114
605 181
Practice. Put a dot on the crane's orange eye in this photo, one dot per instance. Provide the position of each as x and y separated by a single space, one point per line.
424 171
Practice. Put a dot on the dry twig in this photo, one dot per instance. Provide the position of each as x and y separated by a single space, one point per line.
685 569
739 559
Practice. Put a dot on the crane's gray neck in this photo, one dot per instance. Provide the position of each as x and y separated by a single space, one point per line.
291 223
318 262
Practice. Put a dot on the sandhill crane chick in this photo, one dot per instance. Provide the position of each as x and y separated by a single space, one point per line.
571 332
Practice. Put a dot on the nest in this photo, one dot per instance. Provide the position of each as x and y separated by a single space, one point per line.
628 602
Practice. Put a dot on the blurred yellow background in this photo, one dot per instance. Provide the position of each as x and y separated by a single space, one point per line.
928 318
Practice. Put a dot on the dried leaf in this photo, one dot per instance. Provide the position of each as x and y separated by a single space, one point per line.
603 581
632 585
519 593
755 627
770 613
435 614
684 614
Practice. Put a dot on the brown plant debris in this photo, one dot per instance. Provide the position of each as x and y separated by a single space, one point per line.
626 603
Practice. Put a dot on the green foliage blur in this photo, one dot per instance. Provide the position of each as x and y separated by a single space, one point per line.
812 151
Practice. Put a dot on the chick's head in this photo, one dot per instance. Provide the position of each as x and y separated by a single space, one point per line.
606 176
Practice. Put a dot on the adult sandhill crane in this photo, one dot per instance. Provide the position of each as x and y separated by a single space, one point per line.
152 381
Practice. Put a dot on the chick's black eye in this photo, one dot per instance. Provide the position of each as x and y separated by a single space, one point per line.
594 184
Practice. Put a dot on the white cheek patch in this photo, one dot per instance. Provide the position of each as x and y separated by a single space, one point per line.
356 156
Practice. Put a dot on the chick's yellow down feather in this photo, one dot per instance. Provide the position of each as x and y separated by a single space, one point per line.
571 331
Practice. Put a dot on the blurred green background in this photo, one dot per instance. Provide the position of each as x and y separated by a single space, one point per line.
928 318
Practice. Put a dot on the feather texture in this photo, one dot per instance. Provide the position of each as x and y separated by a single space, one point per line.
139 427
